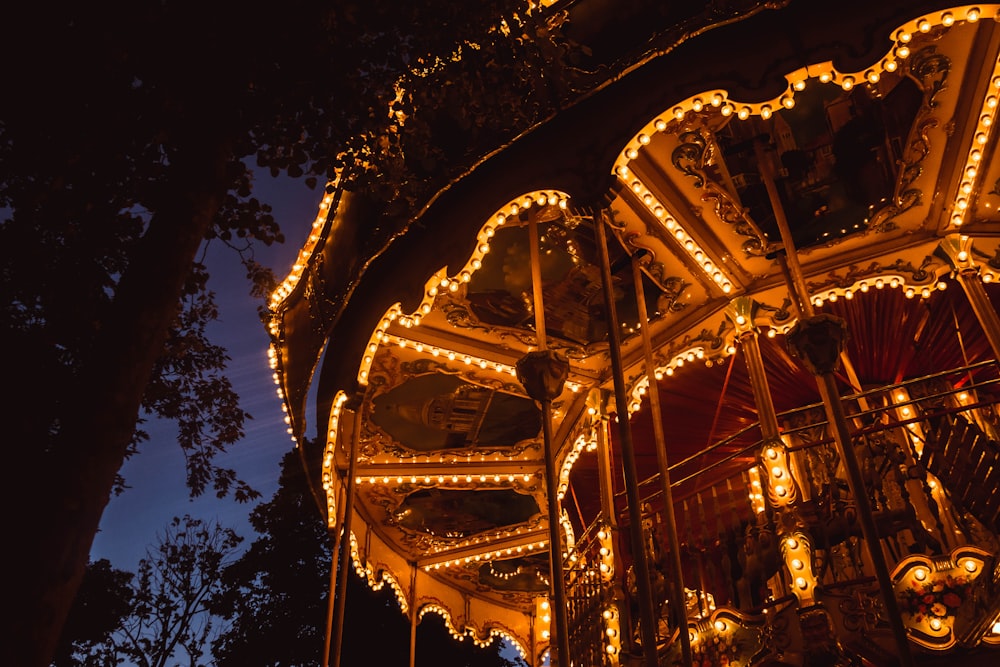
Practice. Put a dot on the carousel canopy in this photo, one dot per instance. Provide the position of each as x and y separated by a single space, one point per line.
867 126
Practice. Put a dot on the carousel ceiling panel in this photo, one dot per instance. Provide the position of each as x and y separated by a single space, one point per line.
857 165
463 513
436 411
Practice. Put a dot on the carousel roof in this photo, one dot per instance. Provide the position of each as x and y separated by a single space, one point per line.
873 121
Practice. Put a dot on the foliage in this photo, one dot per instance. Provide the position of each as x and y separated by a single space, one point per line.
104 601
162 614
123 133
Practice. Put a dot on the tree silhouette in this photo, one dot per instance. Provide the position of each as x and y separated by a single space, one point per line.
160 616
123 133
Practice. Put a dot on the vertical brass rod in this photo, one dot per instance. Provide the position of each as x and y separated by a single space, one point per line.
663 463
647 622
345 537
835 414
982 307
827 385
558 583
334 534
414 619
758 383
792 267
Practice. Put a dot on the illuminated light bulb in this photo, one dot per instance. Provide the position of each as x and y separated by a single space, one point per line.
935 624
644 139
765 112
890 66
631 153
622 171
920 574
973 15
777 472
727 110
797 564
787 102
744 113
970 565
792 543
716 99
697 104
947 19
661 124
923 25
963 255
801 582
720 626
903 51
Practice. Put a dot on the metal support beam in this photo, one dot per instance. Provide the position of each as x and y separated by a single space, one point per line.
820 351
340 603
663 463
647 618
542 391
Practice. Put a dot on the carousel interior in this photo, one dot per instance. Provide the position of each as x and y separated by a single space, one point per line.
748 390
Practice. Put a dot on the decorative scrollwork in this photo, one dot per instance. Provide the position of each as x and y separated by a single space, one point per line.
931 69
687 157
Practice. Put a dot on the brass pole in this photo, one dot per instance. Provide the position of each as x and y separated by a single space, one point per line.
758 383
414 619
604 473
334 549
663 463
982 307
345 537
558 583
827 386
647 619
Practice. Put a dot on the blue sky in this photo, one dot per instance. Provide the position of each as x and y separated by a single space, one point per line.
132 521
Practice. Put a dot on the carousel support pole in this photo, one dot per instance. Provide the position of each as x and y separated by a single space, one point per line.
958 248
818 340
345 535
414 617
543 373
334 535
676 574
647 619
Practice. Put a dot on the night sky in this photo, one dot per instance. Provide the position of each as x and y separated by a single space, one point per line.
158 493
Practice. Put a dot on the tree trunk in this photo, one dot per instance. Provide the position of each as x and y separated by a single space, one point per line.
66 487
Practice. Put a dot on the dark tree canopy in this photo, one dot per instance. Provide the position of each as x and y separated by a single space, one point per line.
124 133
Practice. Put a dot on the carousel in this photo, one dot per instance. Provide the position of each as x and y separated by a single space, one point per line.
701 370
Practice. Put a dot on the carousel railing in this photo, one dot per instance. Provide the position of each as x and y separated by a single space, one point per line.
592 609
931 464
